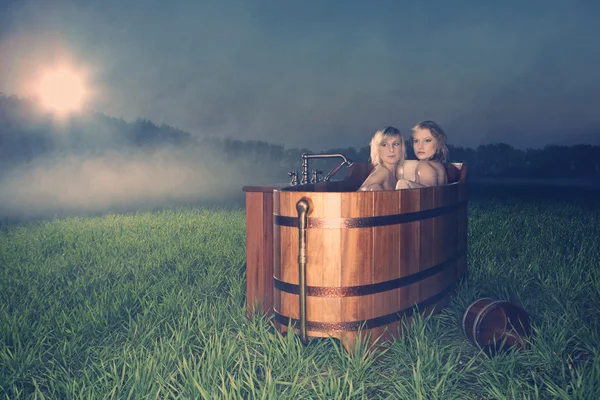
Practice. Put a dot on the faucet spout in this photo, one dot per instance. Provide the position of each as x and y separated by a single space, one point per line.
306 157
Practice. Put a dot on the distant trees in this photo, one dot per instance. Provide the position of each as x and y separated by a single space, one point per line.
27 133
144 133
563 161
497 159
23 134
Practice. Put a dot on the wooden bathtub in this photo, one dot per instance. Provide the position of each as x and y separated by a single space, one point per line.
370 256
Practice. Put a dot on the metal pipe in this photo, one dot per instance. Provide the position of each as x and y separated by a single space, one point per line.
327 155
302 208
304 179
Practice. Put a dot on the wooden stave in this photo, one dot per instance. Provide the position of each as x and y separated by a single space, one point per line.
259 250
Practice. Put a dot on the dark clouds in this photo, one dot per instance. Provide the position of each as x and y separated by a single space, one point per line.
322 74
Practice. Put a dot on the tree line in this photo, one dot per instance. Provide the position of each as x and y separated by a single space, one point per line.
27 133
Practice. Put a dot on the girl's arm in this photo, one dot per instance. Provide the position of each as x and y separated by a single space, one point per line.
406 184
375 180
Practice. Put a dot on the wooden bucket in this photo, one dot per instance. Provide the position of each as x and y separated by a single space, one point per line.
370 257
496 325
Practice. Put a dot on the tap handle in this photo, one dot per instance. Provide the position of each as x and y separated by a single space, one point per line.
294 175
315 176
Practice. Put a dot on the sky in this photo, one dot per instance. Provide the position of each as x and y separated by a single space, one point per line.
323 74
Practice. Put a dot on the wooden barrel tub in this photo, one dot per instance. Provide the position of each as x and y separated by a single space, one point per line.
370 257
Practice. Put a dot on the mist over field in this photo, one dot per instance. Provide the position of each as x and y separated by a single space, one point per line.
113 180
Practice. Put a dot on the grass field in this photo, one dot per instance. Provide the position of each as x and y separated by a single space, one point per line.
151 305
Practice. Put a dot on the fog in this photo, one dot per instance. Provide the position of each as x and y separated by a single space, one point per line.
117 181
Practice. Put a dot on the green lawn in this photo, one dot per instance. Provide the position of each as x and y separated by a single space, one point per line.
152 305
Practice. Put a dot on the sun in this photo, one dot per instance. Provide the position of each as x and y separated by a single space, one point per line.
62 90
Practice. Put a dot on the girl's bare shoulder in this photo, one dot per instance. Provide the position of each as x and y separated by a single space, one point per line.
379 170
432 173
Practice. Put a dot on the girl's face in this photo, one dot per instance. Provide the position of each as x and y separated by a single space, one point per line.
390 150
424 144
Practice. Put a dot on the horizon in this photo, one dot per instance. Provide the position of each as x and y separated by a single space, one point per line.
90 112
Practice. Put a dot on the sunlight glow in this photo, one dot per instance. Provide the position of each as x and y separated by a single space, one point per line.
62 90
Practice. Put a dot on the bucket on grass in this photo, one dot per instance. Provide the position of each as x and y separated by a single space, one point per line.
496 325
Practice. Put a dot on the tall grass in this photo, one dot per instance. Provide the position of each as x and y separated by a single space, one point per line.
152 305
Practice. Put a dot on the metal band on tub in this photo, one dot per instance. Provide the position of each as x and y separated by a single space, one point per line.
367 323
368 222
373 288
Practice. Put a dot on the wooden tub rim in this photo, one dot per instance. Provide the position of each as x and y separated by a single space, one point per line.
290 188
